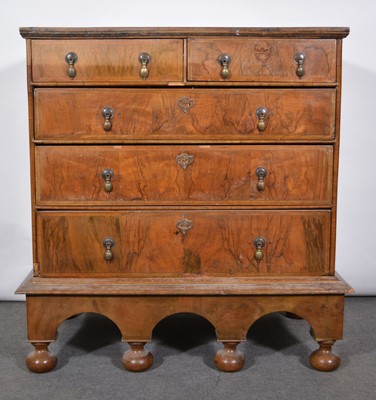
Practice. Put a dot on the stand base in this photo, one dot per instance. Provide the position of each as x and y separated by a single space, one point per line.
137 308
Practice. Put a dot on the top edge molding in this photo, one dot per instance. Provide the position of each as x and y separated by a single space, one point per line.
122 32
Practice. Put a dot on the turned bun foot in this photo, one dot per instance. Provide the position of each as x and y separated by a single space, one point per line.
229 359
137 359
323 359
40 359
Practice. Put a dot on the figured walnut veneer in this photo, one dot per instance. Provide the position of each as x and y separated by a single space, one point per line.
165 180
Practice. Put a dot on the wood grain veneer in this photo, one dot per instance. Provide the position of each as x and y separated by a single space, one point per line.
154 114
184 204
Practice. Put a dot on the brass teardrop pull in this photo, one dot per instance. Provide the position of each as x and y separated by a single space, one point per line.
299 59
108 243
260 173
224 61
261 114
144 59
107 175
108 113
259 243
71 58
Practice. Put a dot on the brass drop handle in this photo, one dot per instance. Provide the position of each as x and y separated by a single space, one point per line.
299 59
108 243
259 243
107 175
261 114
224 61
107 113
144 59
71 58
260 173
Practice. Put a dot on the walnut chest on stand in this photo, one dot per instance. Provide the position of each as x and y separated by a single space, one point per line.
184 170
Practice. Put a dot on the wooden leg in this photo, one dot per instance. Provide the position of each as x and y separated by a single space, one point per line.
40 359
137 358
229 359
323 359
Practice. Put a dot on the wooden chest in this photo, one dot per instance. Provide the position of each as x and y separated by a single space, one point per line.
184 170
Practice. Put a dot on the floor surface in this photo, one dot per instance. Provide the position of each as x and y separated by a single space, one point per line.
89 351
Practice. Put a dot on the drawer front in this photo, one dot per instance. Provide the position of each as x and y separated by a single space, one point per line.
107 61
178 243
176 114
262 60
249 175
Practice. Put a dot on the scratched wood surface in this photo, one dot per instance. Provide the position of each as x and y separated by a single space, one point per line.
262 59
296 175
159 114
149 243
187 285
113 61
182 32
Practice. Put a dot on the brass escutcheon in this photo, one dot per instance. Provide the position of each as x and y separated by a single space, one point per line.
184 160
184 225
185 104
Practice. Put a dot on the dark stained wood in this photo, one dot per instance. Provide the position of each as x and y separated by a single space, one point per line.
150 244
229 359
261 59
154 114
137 358
296 175
40 359
324 359
151 32
107 60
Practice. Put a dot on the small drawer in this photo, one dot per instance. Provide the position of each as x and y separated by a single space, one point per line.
262 60
184 242
182 114
136 61
267 175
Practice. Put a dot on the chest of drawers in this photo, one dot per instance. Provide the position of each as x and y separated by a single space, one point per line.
184 170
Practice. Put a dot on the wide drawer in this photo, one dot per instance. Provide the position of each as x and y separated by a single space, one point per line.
176 243
107 61
217 174
262 60
176 114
